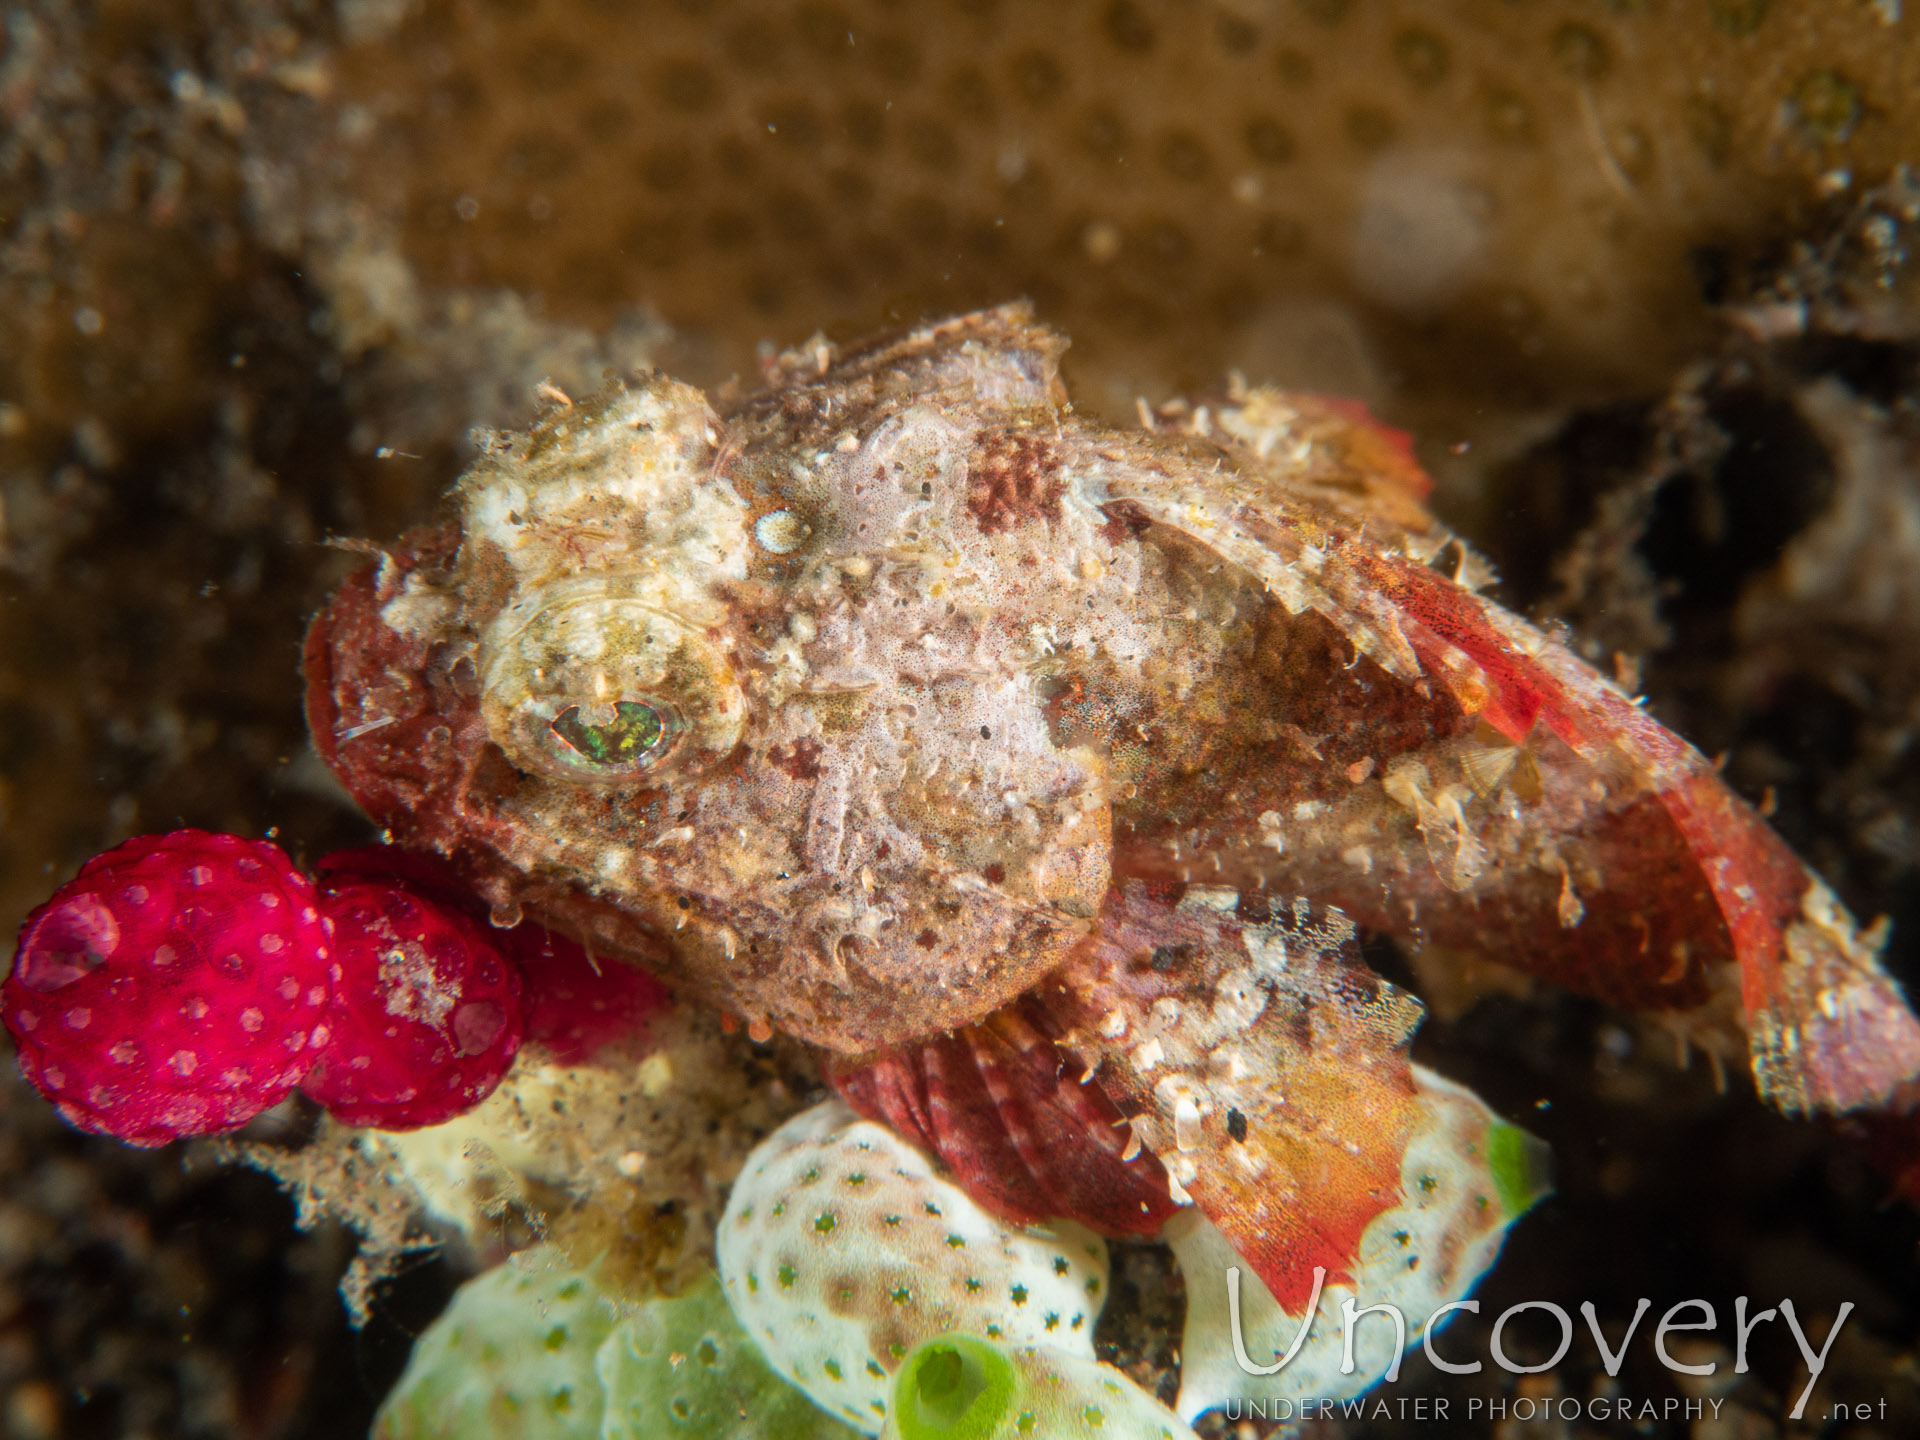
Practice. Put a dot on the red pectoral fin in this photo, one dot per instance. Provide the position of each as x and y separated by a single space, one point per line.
1257 1071
1264 1066
1013 1122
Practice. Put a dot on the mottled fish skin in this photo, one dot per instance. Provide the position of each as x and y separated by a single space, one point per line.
938 667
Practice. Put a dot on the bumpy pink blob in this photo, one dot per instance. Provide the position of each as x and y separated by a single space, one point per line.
426 1016
577 1006
177 986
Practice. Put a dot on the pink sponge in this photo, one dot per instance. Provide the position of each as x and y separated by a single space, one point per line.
426 1017
578 1006
575 1006
177 986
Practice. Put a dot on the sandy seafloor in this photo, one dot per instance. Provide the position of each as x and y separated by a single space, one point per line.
1634 273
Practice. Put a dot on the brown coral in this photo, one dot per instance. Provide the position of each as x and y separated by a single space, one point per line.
1499 199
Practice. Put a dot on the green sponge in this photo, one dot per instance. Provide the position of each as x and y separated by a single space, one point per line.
683 1369
526 1353
511 1358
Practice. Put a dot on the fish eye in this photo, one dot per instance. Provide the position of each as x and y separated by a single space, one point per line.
622 736
588 686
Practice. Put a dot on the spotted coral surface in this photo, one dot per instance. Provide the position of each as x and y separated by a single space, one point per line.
842 1248
1478 195
959 1387
1466 1178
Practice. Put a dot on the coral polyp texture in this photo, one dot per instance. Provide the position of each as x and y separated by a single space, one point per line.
248 298
426 1016
622 1160
1483 198
179 985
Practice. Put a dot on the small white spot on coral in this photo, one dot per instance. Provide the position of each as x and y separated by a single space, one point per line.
79 1017
251 1019
779 531
184 1063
